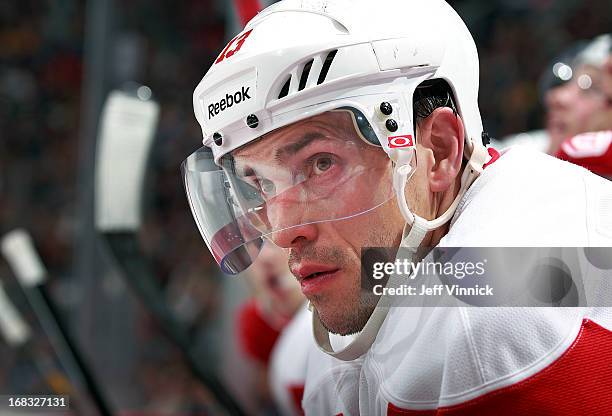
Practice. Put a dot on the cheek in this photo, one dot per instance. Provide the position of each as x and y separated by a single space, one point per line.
416 193
381 227
285 211
586 109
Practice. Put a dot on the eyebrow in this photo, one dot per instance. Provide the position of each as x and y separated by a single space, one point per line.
293 148
280 153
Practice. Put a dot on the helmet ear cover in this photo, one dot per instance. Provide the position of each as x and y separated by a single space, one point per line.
428 96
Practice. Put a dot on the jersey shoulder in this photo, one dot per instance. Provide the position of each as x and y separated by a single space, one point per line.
463 361
523 198
592 151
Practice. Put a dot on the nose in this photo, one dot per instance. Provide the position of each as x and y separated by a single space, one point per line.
291 218
295 236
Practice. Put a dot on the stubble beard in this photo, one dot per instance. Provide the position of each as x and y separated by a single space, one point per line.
346 313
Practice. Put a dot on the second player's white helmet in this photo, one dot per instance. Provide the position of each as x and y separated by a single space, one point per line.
303 58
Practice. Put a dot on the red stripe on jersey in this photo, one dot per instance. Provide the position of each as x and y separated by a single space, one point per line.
257 337
297 392
577 383
592 151
494 156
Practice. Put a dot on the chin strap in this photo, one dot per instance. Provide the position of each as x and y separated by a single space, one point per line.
362 342
411 241
365 338
421 226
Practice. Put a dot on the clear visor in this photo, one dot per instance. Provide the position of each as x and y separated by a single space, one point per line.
324 168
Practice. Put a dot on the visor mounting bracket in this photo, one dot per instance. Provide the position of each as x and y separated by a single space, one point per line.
252 121
218 139
386 108
391 125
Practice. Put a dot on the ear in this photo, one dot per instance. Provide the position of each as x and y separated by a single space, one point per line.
443 135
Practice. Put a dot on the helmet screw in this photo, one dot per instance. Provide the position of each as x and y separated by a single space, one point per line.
386 108
252 121
218 139
485 138
391 125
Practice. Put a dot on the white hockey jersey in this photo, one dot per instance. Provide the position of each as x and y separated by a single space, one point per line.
287 374
289 369
492 361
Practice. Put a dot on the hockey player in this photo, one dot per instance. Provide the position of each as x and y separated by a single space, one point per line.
275 300
288 363
572 97
580 105
593 150
607 76
333 126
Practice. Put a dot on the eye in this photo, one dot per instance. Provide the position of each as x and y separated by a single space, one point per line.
267 186
322 164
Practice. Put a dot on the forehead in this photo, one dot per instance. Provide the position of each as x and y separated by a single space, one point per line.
332 126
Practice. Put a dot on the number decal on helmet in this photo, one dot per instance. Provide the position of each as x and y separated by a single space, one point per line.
237 43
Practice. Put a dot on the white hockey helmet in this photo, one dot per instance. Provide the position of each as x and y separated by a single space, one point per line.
596 52
303 58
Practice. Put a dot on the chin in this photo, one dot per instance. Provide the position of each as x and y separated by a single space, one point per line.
338 328
342 321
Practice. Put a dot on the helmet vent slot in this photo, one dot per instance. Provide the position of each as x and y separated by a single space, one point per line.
326 66
305 73
285 90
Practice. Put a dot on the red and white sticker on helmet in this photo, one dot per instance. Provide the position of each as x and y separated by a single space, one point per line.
588 144
401 142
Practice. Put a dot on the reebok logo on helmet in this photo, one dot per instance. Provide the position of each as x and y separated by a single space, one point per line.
229 101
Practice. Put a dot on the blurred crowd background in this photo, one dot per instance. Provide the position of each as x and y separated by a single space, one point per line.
58 61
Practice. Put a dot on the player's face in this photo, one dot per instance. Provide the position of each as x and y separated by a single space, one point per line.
325 256
607 78
575 107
